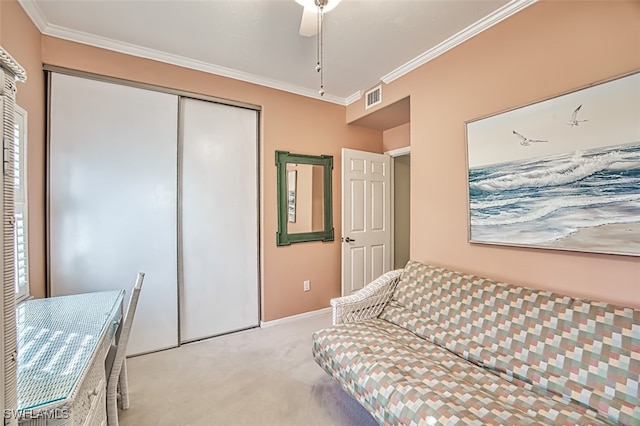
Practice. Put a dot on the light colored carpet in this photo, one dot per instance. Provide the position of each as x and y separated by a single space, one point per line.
256 377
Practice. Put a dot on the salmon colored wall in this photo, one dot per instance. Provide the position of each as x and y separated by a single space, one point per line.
511 64
21 39
396 137
288 122
547 49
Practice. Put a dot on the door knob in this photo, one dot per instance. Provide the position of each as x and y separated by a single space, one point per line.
349 240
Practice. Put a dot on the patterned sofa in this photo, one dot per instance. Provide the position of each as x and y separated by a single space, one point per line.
427 345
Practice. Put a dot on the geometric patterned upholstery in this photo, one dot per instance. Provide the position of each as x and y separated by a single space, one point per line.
402 379
452 348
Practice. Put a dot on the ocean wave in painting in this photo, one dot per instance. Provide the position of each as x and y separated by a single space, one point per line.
577 167
547 199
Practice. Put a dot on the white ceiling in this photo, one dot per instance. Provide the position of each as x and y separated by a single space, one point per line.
365 41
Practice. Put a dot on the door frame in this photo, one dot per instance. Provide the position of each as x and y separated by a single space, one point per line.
398 152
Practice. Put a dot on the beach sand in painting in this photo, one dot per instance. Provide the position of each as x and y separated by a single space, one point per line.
623 238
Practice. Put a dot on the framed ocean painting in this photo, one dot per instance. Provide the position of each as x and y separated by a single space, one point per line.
563 173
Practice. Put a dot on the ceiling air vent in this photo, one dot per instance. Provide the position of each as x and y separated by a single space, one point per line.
373 97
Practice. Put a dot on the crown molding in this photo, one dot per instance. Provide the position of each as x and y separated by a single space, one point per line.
485 23
156 55
353 98
34 13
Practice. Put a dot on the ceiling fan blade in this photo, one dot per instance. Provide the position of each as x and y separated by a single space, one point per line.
309 23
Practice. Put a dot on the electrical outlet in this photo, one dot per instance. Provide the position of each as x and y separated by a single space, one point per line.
307 285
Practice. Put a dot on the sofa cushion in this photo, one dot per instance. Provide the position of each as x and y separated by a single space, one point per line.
586 351
403 379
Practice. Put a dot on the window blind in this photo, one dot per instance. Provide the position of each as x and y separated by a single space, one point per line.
20 203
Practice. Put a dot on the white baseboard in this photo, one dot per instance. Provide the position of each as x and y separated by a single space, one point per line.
323 311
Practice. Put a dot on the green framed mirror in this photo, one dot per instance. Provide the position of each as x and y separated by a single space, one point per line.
305 210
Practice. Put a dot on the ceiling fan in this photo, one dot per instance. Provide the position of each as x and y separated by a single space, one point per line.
309 22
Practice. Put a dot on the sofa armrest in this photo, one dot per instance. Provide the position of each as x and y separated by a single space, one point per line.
367 302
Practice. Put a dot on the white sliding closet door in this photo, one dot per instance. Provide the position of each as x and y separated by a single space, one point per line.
113 199
219 219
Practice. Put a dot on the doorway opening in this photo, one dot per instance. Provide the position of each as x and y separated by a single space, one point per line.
374 240
401 199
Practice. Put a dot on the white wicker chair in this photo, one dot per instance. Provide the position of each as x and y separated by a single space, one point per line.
367 302
116 363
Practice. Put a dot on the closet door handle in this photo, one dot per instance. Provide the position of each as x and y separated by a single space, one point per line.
349 240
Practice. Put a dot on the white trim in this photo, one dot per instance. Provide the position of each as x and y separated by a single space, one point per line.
4 328
8 63
35 14
25 291
392 189
398 152
323 311
33 11
353 98
485 23
156 55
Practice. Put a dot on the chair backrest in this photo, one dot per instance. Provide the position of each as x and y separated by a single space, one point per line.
125 330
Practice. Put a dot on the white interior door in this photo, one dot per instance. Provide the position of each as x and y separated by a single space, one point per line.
112 199
366 218
219 219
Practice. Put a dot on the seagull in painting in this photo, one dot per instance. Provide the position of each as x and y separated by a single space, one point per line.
574 118
526 141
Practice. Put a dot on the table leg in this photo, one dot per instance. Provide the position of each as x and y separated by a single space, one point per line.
123 382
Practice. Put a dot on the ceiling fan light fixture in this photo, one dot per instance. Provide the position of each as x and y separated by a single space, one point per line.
319 8
327 5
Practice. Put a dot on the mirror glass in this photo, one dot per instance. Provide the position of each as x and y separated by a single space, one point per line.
304 198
